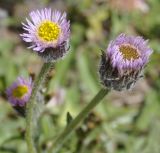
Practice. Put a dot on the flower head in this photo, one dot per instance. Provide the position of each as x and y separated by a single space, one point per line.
48 32
123 61
19 92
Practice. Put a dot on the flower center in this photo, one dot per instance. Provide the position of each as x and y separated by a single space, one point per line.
49 31
129 52
20 91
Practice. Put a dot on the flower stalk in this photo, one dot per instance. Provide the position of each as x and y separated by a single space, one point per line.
74 123
31 105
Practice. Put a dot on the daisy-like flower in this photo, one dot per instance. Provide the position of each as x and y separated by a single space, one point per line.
123 61
19 92
48 33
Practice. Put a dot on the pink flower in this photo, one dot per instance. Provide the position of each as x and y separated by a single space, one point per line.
48 32
19 92
123 61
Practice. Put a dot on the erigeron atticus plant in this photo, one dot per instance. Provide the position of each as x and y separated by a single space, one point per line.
47 33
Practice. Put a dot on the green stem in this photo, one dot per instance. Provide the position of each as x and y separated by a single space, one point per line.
74 123
31 105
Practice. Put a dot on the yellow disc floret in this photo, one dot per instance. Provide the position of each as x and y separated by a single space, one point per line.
20 91
49 31
129 52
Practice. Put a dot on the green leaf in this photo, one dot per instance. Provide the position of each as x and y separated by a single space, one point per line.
69 118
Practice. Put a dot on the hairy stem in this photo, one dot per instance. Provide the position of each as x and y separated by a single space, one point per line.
74 123
31 105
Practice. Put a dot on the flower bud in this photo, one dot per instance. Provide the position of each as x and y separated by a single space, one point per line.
123 62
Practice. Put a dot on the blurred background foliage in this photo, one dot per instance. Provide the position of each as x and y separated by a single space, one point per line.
125 122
